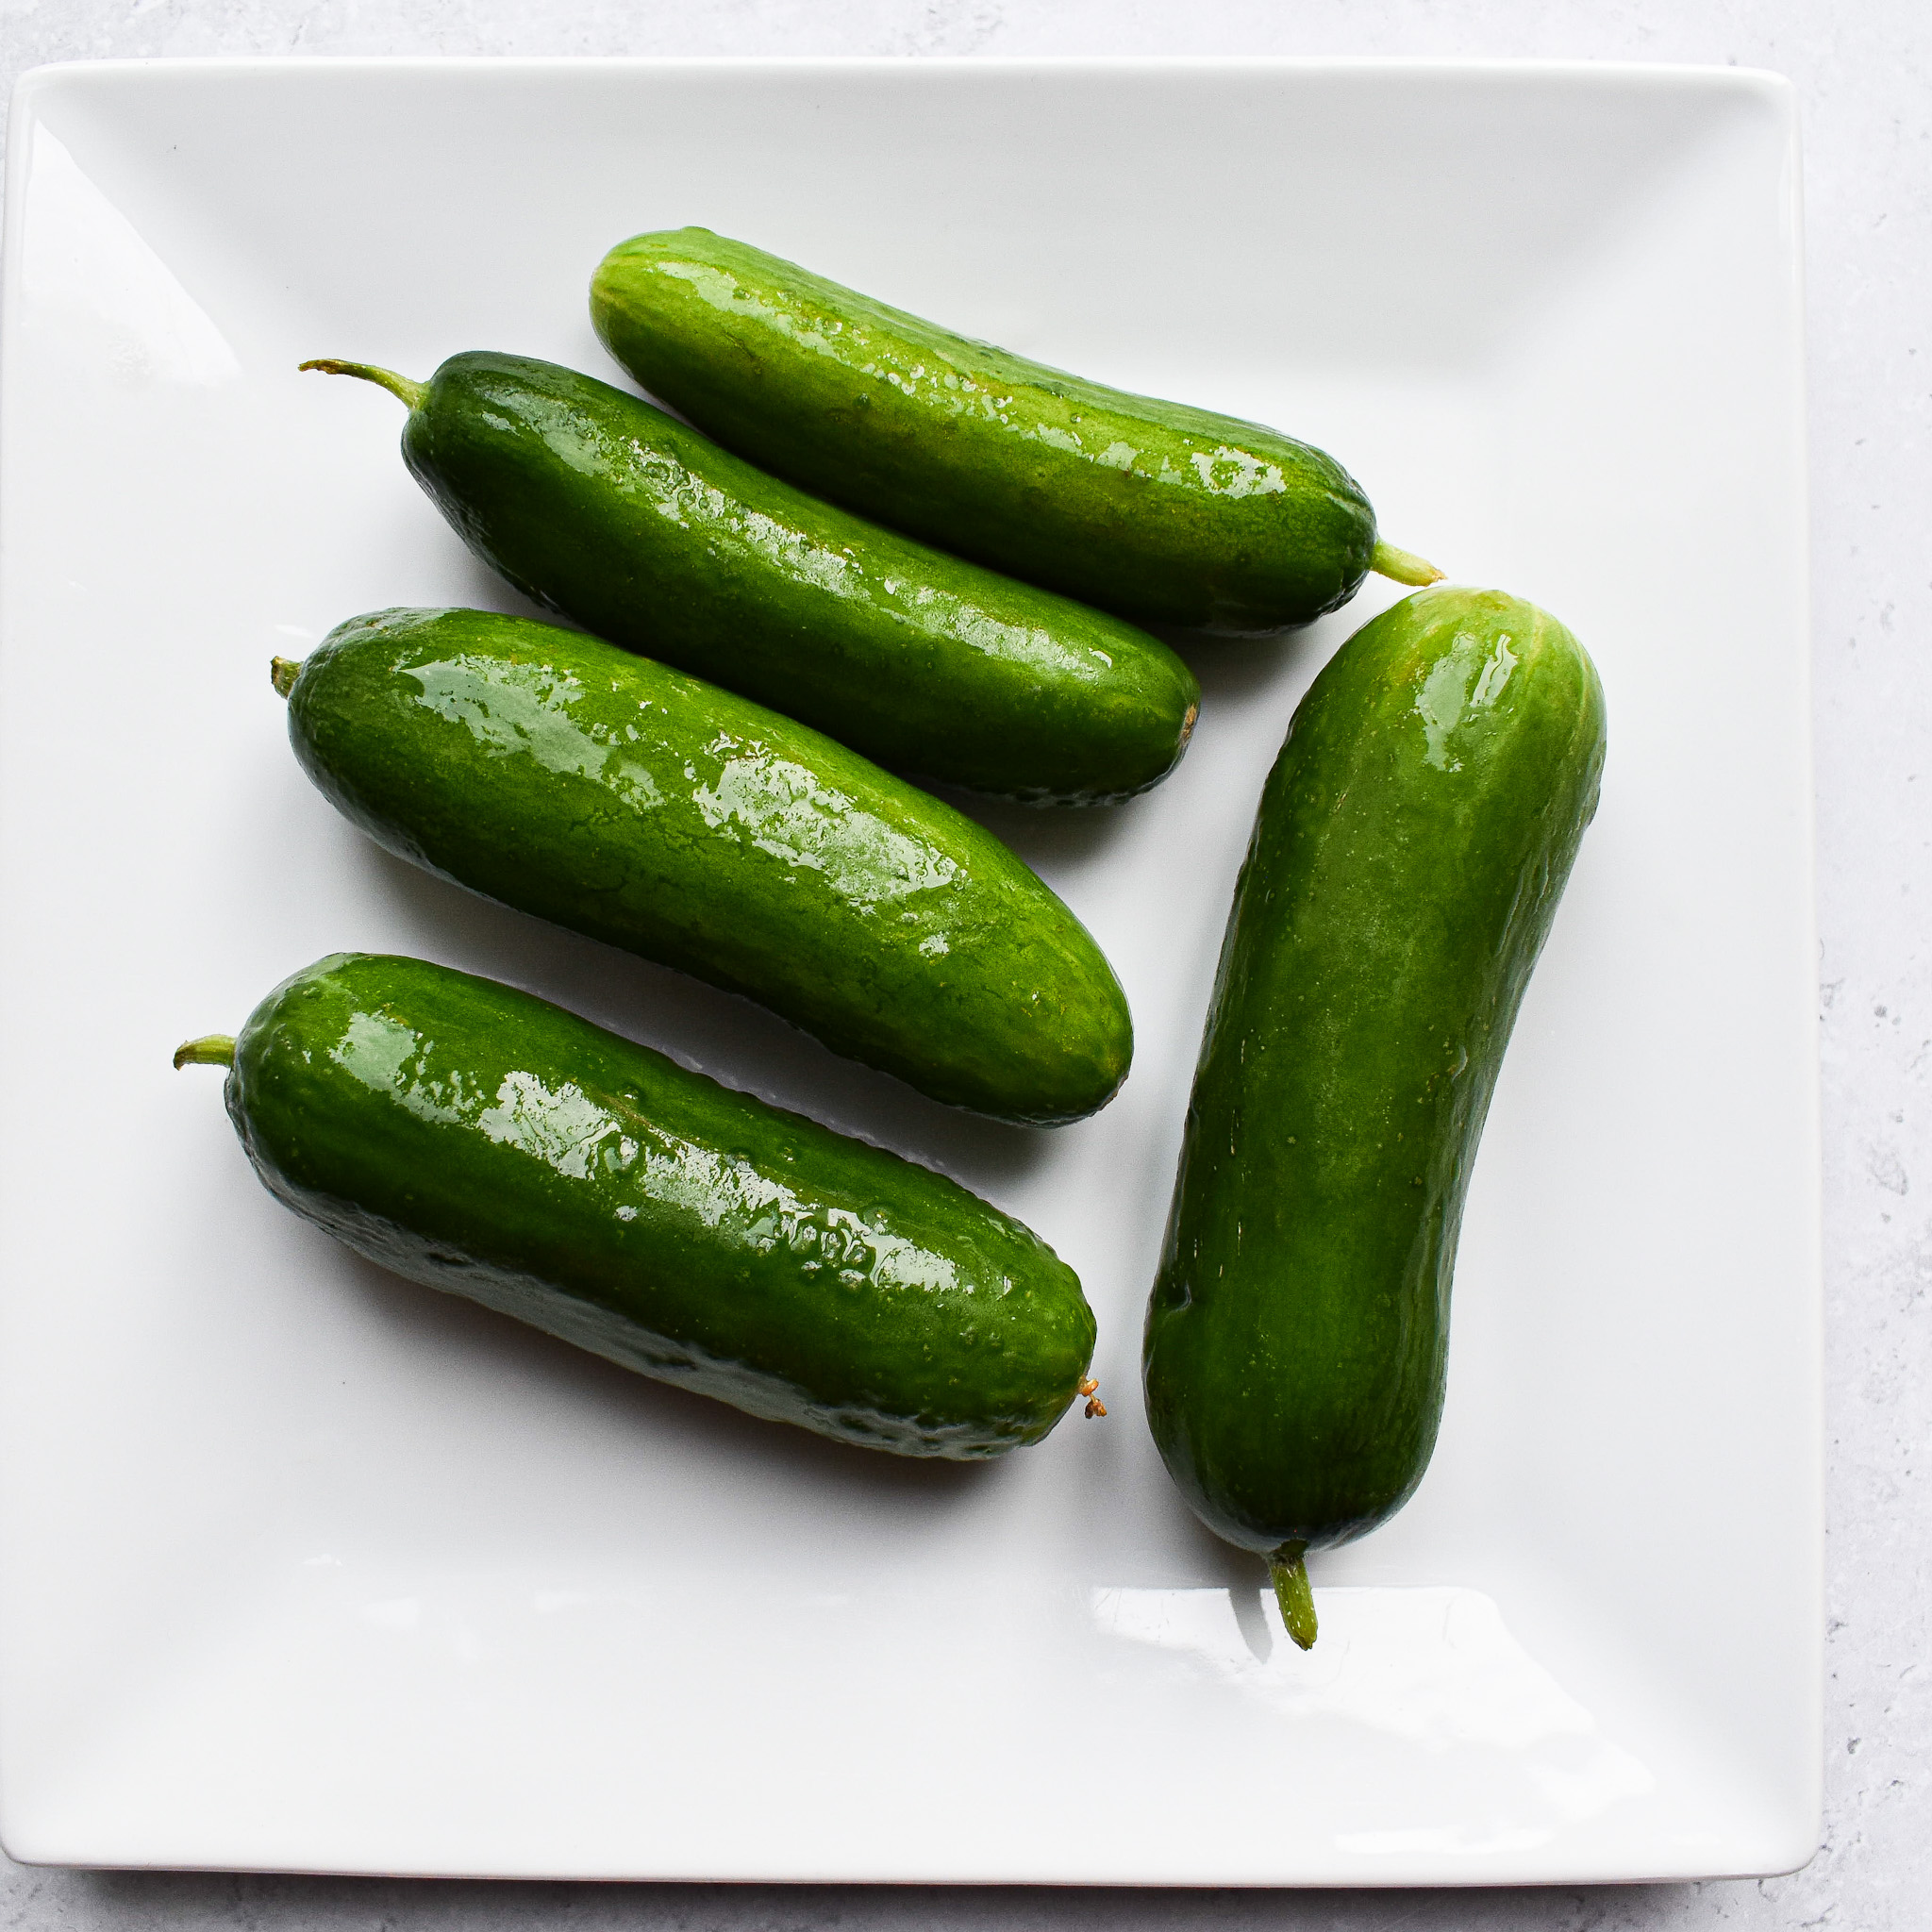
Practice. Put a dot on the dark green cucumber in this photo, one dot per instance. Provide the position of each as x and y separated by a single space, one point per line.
624 800
595 503
1162 513
1412 842
486 1142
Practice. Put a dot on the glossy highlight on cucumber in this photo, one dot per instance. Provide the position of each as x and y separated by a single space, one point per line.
599 505
484 1142
1412 842
615 796
1158 511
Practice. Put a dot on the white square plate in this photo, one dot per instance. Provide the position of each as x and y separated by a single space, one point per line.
307 1567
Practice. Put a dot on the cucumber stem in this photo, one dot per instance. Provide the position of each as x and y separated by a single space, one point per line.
1293 1598
210 1050
282 673
1403 565
1091 1390
411 393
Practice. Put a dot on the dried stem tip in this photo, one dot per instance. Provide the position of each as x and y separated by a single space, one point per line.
411 393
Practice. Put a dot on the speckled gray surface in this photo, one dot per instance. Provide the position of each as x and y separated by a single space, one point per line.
1864 76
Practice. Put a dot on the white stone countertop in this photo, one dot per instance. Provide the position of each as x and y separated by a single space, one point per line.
1864 77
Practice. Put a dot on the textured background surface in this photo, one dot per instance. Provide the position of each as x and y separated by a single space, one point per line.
1865 83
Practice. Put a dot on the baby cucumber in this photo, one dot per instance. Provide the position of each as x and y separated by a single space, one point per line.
595 503
1412 842
604 792
489 1143
1162 513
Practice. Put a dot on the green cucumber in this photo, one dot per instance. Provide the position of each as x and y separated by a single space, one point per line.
1160 512
486 1142
1412 842
627 801
596 505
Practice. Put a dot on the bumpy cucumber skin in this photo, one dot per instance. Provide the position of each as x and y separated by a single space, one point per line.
486 1142
598 505
1162 513
624 800
1411 844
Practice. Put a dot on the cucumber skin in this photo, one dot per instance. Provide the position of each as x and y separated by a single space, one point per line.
600 506
486 1142
612 795
1411 844
1158 511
